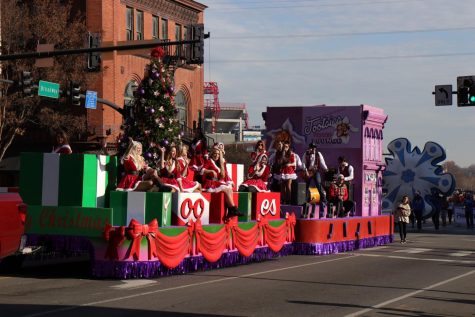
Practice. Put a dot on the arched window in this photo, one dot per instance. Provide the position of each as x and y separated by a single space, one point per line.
129 92
181 103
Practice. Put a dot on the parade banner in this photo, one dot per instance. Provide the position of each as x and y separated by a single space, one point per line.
142 206
266 205
67 220
51 179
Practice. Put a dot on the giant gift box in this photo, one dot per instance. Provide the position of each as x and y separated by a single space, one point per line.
266 205
141 206
190 206
82 180
217 208
236 172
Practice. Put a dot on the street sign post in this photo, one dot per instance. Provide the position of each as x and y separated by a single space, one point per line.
443 95
91 99
48 89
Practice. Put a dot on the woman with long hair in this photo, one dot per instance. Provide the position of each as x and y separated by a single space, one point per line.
287 172
62 143
171 172
401 216
257 176
216 179
133 163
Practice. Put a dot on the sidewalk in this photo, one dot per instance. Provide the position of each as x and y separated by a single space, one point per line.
428 227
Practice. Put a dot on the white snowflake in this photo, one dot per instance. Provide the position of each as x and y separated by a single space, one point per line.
410 171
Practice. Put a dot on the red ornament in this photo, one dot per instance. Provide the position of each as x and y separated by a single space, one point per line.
158 52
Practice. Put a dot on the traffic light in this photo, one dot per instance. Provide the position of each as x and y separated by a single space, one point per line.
26 83
197 49
94 58
465 91
74 93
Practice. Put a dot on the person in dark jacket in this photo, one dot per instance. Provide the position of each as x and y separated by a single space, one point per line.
468 203
417 207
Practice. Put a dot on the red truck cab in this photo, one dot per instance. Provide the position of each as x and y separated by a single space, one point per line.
12 223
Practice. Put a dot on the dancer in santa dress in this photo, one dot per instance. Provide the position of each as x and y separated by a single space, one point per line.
215 179
134 164
184 161
171 172
257 176
259 149
287 173
62 144
199 155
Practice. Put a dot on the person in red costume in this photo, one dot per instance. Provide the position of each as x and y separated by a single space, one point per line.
338 196
134 164
199 154
215 179
62 144
257 176
171 172
287 172
184 162
259 149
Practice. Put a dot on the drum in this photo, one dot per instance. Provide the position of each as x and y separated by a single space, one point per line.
314 195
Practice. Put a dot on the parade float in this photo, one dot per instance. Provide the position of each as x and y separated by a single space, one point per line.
355 132
74 208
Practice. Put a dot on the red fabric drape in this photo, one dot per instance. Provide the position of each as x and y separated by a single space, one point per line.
245 241
211 245
172 250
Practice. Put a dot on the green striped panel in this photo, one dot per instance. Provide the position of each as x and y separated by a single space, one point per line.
70 180
111 177
118 203
245 206
31 178
159 206
89 181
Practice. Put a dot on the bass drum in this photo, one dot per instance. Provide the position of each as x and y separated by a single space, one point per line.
314 195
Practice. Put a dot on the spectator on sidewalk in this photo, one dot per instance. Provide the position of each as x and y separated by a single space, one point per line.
401 216
418 206
468 203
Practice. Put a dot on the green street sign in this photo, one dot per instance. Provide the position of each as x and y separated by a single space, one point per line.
47 89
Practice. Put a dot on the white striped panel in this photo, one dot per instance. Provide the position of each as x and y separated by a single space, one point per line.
101 180
50 185
3 189
136 206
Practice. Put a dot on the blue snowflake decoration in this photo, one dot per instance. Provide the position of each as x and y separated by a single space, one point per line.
410 171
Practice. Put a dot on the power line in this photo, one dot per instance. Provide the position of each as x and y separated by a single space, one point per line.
353 58
370 2
311 35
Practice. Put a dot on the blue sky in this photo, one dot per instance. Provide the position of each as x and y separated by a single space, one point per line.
384 53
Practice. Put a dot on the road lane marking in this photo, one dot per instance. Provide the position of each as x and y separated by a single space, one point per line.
375 248
413 250
461 253
418 259
116 299
129 284
364 311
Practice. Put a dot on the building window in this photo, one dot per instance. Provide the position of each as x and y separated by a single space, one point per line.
181 105
155 27
139 25
164 29
177 32
185 33
130 24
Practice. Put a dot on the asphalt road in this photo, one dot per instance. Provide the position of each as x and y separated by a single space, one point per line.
431 275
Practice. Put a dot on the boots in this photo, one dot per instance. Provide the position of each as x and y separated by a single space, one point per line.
233 211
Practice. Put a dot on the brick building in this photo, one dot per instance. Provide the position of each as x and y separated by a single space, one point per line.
118 21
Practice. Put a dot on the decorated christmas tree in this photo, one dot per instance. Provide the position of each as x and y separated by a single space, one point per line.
152 120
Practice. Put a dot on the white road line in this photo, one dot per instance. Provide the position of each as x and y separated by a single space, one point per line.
116 299
417 259
375 248
128 284
413 250
409 294
461 253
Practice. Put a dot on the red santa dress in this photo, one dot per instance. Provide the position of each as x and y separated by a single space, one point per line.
170 175
288 169
215 183
257 177
131 175
63 149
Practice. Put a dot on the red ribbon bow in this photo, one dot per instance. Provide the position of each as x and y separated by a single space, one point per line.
291 220
136 231
115 236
